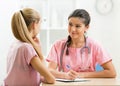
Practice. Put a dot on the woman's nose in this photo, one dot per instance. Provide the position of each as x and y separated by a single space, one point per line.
73 28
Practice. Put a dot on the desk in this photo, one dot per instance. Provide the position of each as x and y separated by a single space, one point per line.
91 81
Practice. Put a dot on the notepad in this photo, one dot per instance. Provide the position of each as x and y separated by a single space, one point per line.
75 80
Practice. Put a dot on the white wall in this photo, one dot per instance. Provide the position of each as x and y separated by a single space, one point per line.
104 28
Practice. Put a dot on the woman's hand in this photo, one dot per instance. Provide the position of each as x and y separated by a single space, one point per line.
71 75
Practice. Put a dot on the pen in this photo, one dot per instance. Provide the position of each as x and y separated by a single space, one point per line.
68 67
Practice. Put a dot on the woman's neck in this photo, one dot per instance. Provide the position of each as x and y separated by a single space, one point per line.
78 43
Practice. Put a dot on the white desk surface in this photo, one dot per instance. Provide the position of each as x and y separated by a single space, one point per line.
91 81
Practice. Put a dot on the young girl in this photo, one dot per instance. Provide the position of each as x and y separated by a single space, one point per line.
25 60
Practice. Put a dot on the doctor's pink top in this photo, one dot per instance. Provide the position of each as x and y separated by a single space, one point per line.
75 60
19 69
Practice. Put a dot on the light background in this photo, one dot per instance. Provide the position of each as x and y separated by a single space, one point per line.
104 28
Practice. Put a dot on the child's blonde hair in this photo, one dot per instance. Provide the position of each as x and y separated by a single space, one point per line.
21 26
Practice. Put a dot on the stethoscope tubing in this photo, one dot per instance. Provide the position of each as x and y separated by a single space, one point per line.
82 50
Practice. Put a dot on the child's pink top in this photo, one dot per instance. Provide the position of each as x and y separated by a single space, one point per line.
75 60
19 70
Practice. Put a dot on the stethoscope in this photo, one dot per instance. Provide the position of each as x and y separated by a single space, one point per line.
81 51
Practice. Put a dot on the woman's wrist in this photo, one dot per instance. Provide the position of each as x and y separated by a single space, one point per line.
64 75
81 75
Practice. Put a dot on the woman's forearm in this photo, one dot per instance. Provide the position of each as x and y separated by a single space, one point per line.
100 74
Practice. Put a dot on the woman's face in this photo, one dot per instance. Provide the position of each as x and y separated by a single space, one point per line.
76 27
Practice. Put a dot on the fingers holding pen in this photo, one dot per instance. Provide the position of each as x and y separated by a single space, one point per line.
74 72
71 75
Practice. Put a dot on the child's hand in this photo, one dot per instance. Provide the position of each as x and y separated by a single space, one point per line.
43 79
36 40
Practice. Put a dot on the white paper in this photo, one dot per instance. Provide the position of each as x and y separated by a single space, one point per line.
75 80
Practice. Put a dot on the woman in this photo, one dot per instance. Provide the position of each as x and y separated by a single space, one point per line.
78 55
25 61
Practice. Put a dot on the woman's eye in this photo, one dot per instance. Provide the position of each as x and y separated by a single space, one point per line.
70 24
77 26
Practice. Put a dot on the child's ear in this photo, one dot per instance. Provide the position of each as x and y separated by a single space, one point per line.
33 25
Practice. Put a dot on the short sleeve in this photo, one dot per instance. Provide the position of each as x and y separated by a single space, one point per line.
102 55
29 52
52 56
55 51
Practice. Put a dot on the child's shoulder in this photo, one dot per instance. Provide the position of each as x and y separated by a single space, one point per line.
25 45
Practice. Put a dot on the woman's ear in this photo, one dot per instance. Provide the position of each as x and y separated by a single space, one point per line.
87 27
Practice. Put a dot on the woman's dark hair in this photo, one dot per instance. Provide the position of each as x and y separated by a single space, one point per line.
82 14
